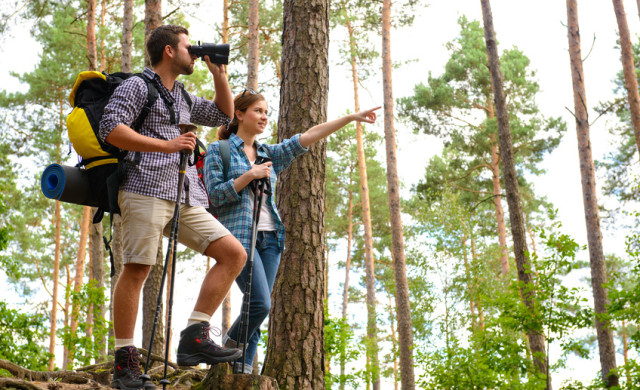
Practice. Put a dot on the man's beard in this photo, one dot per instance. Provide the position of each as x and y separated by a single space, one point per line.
185 68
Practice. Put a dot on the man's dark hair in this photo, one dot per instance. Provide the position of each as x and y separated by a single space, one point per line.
160 38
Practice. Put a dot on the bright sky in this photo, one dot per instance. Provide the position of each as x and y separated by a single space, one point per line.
536 27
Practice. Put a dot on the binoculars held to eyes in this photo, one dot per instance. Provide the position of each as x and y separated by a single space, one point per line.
218 53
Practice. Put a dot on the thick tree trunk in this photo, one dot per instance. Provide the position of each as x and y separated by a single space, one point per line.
629 69
85 222
253 57
372 328
591 213
536 337
127 36
54 299
405 328
295 349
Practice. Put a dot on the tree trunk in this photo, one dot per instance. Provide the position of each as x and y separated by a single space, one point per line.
295 349
65 310
92 54
345 291
152 20
149 304
625 351
372 329
79 277
103 54
97 274
116 251
253 57
497 201
629 69
527 291
405 329
54 299
591 213
127 36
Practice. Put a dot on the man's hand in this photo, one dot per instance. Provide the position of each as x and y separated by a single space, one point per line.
217 70
186 141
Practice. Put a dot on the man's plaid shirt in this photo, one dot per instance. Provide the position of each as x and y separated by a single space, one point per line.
157 173
233 209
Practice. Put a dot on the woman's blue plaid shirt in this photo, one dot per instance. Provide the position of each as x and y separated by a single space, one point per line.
233 209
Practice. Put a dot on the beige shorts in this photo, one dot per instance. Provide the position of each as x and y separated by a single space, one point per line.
145 219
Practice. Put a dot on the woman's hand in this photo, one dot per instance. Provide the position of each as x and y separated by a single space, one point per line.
259 171
367 116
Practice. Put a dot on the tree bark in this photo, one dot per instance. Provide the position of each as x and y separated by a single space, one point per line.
92 54
345 291
79 277
591 213
405 328
152 20
149 303
372 329
253 57
295 349
127 36
97 274
118 264
534 332
54 299
629 69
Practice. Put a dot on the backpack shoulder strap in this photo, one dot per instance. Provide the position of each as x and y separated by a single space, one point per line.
225 153
151 100
187 98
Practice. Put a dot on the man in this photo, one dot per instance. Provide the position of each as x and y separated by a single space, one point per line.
148 192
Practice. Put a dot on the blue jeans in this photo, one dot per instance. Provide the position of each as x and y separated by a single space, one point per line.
266 260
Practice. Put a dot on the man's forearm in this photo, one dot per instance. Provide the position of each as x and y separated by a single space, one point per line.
223 97
126 138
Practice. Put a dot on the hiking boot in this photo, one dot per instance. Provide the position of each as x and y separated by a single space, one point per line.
197 347
126 369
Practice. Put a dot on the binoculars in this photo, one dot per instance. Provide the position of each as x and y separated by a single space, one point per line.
218 53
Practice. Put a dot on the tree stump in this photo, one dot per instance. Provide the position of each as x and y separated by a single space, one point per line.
220 377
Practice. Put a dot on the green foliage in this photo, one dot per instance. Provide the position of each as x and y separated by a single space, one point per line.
21 338
340 345
84 348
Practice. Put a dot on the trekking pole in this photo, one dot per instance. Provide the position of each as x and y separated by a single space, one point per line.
259 190
171 254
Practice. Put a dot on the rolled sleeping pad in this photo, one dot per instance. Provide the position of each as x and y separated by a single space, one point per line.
67 184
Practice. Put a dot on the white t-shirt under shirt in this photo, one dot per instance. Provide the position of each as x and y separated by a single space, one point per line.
265 223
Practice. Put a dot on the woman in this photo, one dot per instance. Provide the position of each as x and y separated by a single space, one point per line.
232 200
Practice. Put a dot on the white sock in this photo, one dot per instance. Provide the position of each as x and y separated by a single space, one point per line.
196 317
124 343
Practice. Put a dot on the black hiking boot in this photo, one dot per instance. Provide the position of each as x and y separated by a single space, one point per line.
126 369
197 347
